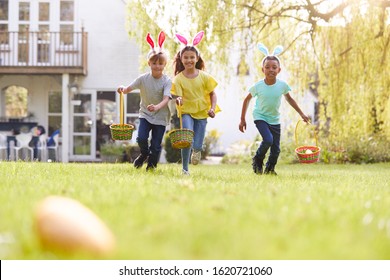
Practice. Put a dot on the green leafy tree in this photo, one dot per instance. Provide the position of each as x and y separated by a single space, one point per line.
338 49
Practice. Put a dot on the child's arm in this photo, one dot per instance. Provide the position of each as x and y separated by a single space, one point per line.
294 104
162 104
213 99
124 89
245 104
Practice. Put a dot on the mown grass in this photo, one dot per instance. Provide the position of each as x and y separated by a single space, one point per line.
220 212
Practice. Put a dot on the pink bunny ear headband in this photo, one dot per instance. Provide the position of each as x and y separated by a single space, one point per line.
278 49
198 37
161 40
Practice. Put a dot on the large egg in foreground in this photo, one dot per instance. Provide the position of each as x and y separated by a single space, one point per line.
67 225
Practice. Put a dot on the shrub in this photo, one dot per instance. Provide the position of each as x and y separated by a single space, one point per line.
172 155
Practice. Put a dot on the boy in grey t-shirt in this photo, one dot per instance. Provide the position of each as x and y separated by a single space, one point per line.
154 113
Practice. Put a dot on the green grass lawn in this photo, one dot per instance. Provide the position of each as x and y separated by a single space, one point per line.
220 212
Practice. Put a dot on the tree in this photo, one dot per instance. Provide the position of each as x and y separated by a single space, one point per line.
338 48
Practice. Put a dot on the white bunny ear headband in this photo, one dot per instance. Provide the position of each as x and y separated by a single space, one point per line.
278 49
155 49
198 37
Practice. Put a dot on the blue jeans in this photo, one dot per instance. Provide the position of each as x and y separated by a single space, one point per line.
143 138
199 128
271 139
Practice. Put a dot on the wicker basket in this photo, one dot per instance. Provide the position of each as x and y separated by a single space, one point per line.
122 131
307 154
308 157
181 138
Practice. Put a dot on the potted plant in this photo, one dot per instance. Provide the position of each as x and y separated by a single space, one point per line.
112 152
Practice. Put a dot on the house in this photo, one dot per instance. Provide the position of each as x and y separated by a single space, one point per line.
65 59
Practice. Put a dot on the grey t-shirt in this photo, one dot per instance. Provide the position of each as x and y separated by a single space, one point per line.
152 91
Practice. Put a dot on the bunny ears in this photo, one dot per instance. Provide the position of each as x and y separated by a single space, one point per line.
198 37
278 49
161 40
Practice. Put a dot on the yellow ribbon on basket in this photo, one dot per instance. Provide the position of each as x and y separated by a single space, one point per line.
121 108
121 131
179 115
296 137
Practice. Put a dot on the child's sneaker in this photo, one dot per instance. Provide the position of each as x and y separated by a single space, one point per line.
150 167
257 165
185 172
139 161
270 170
195 158
152 162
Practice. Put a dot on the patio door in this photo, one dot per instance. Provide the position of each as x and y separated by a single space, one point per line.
83 127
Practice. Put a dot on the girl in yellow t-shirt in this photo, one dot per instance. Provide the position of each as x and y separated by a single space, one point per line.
194 90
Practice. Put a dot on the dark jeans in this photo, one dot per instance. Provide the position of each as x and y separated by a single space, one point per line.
271 139
158 131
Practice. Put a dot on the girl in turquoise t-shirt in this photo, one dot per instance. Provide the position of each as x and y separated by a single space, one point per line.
268 93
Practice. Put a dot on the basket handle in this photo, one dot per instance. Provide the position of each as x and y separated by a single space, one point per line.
296 136
121 113
179 115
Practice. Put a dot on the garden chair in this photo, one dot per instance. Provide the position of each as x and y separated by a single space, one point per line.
3 147
54 147
42 148
22 144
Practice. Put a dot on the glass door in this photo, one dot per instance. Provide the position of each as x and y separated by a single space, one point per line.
33 32
83 127
24 18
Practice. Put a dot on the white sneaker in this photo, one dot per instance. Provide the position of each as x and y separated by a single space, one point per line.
195 158
185 172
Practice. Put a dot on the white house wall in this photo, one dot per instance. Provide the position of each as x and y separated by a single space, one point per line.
112 56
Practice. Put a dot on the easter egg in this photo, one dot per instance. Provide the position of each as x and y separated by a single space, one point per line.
66 225
308 152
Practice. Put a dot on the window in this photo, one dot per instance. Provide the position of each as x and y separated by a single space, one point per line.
3 9
66 22
132 110
4 39
44 11
105 107
67 11
16 102
24 11
55 111
66 34
43 46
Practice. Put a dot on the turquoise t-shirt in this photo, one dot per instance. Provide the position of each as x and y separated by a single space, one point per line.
268 99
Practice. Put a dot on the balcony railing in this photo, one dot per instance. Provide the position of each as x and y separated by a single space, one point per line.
43 52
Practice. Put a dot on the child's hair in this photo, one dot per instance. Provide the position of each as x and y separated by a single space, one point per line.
270 57
278 50
157 56
178 65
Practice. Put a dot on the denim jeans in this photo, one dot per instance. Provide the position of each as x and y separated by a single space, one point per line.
271 139
155 143
199 128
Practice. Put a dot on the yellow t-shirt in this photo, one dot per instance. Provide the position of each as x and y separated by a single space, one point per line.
195 93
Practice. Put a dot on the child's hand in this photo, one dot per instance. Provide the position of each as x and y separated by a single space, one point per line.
152 108
242 126
179 101
120 89
211 113
305 118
